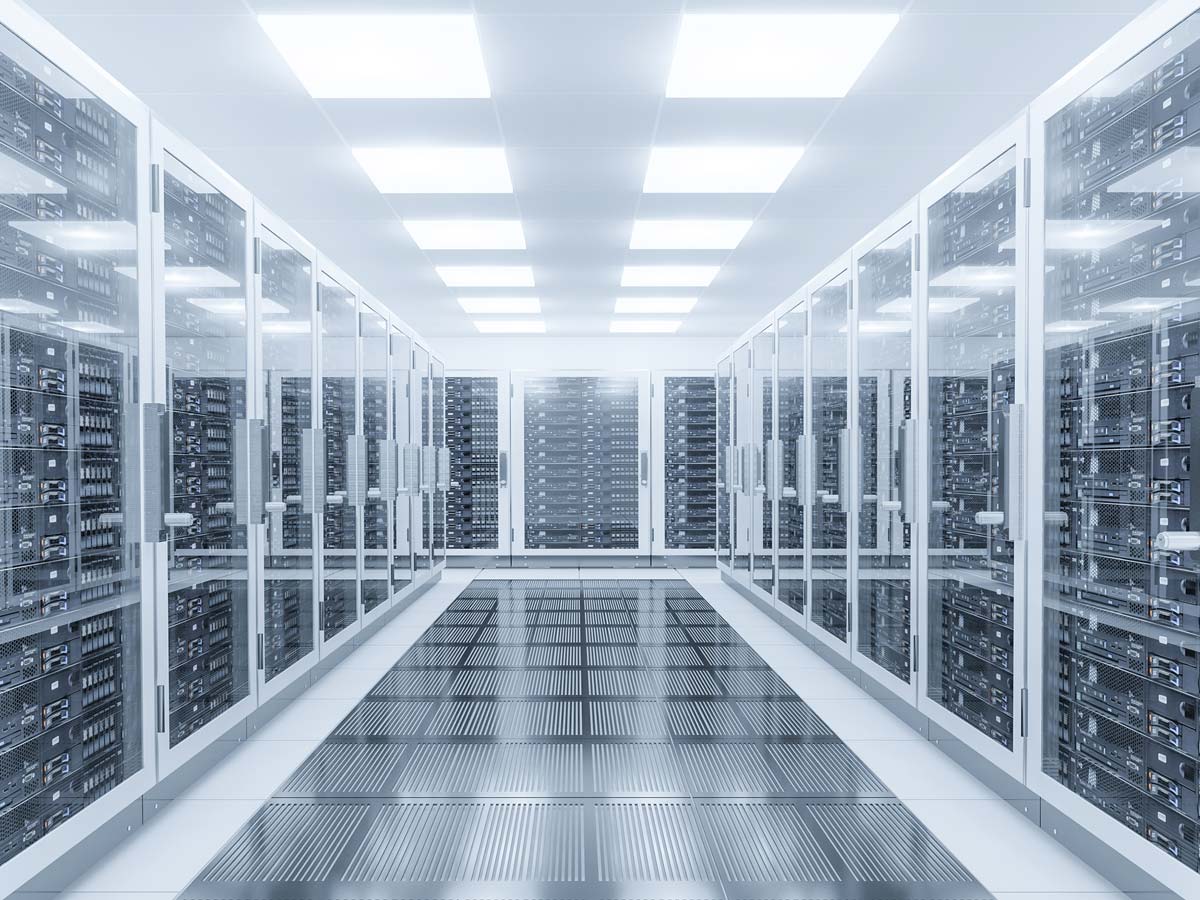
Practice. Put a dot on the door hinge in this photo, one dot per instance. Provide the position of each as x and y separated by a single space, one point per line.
261 651
1024 712
160 709
155 188
917 252
258 256
916 652
1027 200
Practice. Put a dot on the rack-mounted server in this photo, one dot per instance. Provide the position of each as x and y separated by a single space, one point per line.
690 462
472 434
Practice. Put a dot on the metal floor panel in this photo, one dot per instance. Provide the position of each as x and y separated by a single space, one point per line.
583 740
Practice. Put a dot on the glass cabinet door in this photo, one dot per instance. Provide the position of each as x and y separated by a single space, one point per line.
441 481
70 557
289 570
744 443
208 597
886 453
764 472
426 462
375 445
724 461
405 460
829 466
793 457
972 355
339 420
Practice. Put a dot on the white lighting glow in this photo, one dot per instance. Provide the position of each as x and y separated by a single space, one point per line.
1074 326
491 306
1147 304
463 234
763 55
236 306
511 326
644 326
688 234
436 170
668 276
903 306
1099 234
382 56
286 326
719 170
21 307
659 305
85 237
880 326
177 278
486 276
976 277
86 327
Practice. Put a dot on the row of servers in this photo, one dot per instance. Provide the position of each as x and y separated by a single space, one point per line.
582 447
959 458
219 456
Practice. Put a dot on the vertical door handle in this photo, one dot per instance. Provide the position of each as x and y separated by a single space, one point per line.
502 466
645 468
157 488
843 474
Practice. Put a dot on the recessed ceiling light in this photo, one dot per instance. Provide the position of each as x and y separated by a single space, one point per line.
486 276
381 56
511 326
644 326
491 306
436 170
465 234
688 234
762 55
636 305
668 276
719 170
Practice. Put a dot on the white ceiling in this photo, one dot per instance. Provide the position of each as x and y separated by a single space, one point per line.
577 100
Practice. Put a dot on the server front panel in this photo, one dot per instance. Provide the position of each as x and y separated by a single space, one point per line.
473 436
690 463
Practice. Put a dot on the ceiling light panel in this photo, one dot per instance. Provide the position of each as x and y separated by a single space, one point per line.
464 234
719 170
436 170
492 306
654 305
510 326
762 55
668 276
644 326
382 56
688 234
486 276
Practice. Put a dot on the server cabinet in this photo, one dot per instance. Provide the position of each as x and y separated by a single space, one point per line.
426 461
343 456
1113 651
407 481
828 464
205 625
294 484
971 412
477 410
584 462
742 435
884 470
764 472
440 457
77 563
725 463
793 455
375 467
684 437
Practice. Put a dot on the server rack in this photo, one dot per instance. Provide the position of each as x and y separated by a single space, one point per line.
440 457
584 463
1114 684
201 275
725 462
478 510
286 392
971 412
742 439
425 460
883 465
407 482
793 457
376 463
685 463
76 613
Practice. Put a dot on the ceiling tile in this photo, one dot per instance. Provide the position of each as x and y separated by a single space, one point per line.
250 120
879 121
578 120
578 170
771 122
385 123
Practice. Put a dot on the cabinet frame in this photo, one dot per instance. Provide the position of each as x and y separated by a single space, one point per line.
658 457
502 552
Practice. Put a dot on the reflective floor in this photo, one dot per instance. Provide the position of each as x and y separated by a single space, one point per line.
590 739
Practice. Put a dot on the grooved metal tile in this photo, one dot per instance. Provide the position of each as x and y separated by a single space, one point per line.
628 718
483 769
728 769
885 842
381 718
610 634
517 683
516 656
483 842
345 769
508 718
556 634
287 842
419 682
669 656
703 718
826 770
765 842
450 634
755 683
462 617
731 656
559 618
431 655
783 718
700 617
606 617
614 655
650 841
691 683
636 768
715 634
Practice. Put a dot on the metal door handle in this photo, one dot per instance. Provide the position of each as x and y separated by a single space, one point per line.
356 465
155 441
645 468
842 497
502 464
312 468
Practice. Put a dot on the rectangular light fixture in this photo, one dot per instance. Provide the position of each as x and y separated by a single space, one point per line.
644 326
436 170
659 305
719 170
382 56
492 306
84 237
510 326
486 276
688 234
466 234
780 55
668 276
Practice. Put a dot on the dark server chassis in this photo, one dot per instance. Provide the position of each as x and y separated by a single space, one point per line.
582 739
